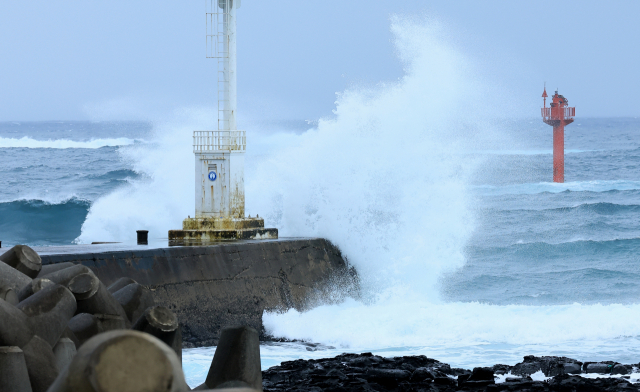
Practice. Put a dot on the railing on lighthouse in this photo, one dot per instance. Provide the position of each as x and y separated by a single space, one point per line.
567 113
209 141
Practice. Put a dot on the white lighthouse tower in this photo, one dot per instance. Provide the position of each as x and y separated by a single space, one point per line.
219 155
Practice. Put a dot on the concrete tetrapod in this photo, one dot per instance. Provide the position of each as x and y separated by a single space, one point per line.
14 376
51 268
33 287
68 333
92 297
49 311
120 283
85 326
110 322
15 329
122 361
24 259
41 364
163 324
65 275
62 277
12 279
64 351
236 362
135 299
7 294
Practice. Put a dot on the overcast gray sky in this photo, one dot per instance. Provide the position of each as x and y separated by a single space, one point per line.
116 59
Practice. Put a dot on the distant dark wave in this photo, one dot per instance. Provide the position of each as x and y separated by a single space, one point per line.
586 285
26 169
27 142
619 249
598 186
601 208
38 222
115 175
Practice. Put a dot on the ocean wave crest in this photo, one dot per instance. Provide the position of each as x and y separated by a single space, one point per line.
27 142
552 251
121 174
40 222
553 187
602 208
528 152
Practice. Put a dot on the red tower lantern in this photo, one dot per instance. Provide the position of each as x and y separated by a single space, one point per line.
558 115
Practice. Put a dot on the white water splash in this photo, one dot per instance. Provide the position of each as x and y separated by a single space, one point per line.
386 179
414 132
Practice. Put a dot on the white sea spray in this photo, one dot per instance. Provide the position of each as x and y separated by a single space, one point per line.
387 179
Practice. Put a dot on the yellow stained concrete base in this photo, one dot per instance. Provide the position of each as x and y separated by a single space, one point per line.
213 229
222 223
215 235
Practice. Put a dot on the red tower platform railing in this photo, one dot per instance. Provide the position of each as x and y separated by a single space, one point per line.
568 113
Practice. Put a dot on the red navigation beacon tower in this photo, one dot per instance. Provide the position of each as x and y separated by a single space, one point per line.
558 115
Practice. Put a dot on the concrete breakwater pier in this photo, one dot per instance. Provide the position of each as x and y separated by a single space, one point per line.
113 318
222 284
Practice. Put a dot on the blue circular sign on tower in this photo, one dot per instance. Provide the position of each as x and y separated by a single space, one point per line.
212 176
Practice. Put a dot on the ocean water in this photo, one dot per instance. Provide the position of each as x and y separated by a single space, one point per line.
466 250
51 172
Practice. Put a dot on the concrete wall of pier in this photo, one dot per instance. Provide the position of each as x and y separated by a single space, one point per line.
210 287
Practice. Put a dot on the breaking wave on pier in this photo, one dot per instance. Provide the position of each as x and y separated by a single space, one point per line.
389 179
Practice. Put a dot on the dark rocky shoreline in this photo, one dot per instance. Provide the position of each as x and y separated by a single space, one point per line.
367 372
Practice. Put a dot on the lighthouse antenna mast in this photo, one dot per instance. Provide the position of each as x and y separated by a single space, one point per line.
221 45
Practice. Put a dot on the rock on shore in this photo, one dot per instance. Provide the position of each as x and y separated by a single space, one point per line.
367 372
